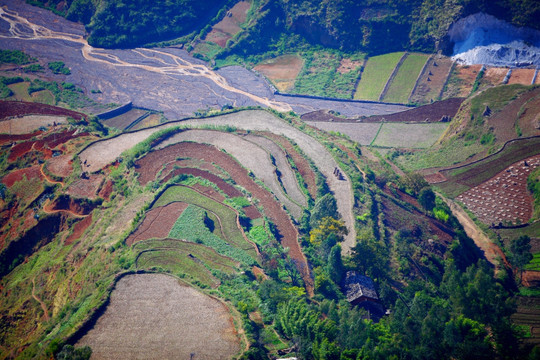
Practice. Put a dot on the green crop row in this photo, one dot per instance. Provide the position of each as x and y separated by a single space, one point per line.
376 73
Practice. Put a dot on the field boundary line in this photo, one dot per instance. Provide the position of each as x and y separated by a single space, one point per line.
376 135
392 76
422 72
447 79
363 66
492 155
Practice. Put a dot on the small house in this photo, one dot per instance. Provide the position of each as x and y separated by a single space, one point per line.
360 291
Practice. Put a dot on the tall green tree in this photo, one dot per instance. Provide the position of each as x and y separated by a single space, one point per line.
520 253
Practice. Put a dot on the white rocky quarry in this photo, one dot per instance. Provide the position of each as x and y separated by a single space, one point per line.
484 39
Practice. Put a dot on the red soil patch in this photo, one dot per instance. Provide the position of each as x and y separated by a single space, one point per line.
45 145
227 188
301 163
20 108
17 175
531 278
158 222
504 198
467 76
521 76
288 235
252 212
78 229
86 188
494 76
70 205
5 138
60 166
106 190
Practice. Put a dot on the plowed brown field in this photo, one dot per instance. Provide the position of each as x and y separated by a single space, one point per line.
158 222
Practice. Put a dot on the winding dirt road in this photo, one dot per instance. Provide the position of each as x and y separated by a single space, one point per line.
491 251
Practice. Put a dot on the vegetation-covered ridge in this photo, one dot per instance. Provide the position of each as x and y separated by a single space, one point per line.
374 26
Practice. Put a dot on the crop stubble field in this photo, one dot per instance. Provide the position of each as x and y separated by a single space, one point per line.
172 321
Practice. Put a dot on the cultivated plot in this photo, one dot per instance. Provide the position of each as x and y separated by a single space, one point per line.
375 75
414 136
152 316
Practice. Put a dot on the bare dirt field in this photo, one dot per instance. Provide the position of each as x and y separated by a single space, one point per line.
521 76
494 76
86 188
152 316
436 70
29 123
529 120
78 230
503 122
60 165
17 175
230 24
21 108
282 71
286 175
461 80
503 199
158 222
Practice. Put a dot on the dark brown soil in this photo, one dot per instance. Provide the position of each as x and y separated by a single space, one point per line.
74 206
158 222
20 108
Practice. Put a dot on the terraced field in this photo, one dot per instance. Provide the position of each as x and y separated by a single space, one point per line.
376 72
171 319
403 83
414 136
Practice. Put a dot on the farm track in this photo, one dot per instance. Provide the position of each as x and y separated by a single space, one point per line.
41 303
102 153
491 251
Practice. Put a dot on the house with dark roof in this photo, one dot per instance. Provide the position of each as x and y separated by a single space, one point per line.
360 291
